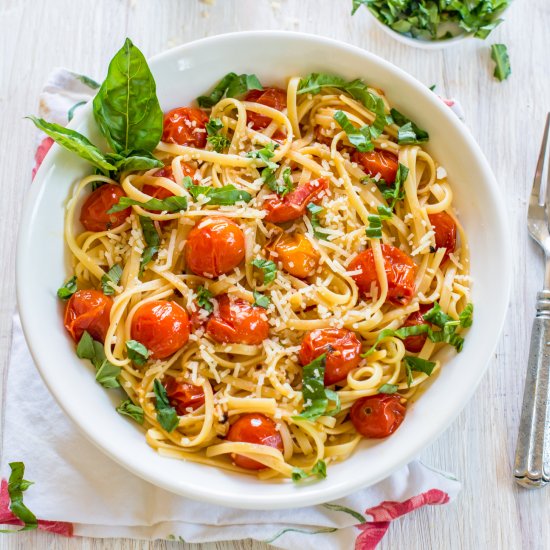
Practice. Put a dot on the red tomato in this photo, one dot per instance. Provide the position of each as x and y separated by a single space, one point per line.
271 97
416 343
293 205
166 172
183 395
342 347
93 215
400 272
445 232
377 416
254 428
237 322
378 162
161 326
296 254
214 246
88 310
185 126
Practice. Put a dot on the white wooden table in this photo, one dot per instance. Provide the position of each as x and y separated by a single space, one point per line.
506 119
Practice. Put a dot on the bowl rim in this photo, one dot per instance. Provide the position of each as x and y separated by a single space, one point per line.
252 500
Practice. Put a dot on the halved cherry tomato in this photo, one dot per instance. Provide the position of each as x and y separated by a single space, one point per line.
400 272
293 205
237 322
378 162
214 246
183 395
342 347
416 343
271 97
88 310
296 253
161 326
377 416
445 232
254 428
185 126
93 215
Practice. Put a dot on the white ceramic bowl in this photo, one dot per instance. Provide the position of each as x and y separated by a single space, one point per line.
182 74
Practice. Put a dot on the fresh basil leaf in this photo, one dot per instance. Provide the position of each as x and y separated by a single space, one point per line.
437 316
314 211
448 326
374 230
388 388
173 203
402 333
152 240
218 141
126 107
499 54
233 85
357 4
417 364
333 396
313 389
107 375
265 154
131 161
137 352
224 196
396 191
360 138
204 299
68 289
74 142
261 300
16 487
318 471
128 408
166 414
85 347
268 267
465 318
217 93
408 132
110 279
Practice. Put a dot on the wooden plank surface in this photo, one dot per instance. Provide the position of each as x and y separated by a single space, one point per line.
505 118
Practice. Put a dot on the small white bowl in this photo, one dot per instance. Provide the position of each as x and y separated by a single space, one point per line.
181 75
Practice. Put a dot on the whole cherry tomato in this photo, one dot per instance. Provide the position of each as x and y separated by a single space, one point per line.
185 126
183 395
93 215
254 428
237 322
293 205
214 246
88 310
445 232
161 326
342 348
400 272
271 97
378 162
296 253
377 416
416 343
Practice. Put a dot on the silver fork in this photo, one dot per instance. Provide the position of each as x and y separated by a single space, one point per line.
532 467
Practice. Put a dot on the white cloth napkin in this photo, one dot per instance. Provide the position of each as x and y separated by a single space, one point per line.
78 491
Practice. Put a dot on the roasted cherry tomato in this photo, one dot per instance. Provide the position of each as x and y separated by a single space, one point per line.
183 395
296 254
378 162
293 205
342 347
416 343
185 126
445 232
400 272
237 322
214 246
88 310
166 172
377 416
93 215
161 326
258 429
271 97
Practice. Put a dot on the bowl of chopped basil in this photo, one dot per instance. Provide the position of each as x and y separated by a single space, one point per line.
434 25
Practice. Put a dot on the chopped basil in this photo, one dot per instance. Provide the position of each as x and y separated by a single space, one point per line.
318 471
204 299
261 300
268 267
166 414
360 138
448 325
417 364
231 85
374 230
68 289
223 196
106 373
218 141
265 154
466 316
134 160
16 487
111 279
283 187
137 352
499 54
408 132
152 240
169 204
388 388
402 333
394 192
128 408
314 211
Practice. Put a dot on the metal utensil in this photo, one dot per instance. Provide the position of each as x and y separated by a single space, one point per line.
532 467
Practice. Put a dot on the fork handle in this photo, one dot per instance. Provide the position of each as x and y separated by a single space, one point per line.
532 466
